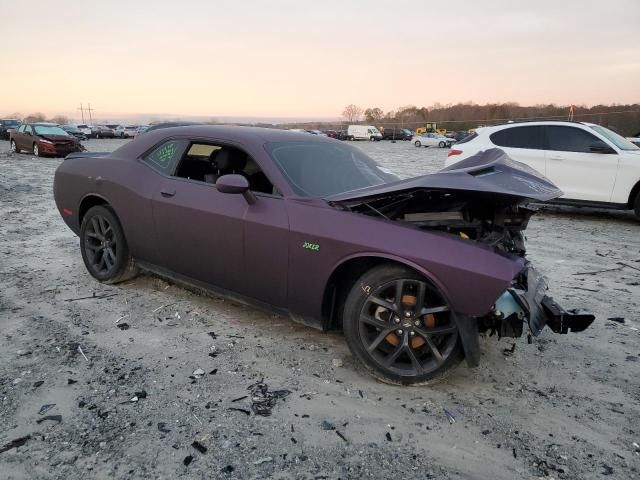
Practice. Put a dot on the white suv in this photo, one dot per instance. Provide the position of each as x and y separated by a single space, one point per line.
591 164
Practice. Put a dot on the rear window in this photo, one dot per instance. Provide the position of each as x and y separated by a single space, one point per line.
519 137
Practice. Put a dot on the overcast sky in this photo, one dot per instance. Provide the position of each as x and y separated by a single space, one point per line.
311 58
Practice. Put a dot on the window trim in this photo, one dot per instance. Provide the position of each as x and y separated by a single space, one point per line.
206 141
547 144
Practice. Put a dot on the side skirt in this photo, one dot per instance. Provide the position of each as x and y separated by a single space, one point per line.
206 289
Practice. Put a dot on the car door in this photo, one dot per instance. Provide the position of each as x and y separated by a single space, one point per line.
222 240
17 136
574 166
524 144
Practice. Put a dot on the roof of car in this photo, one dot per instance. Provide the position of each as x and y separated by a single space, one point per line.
490 128
238 132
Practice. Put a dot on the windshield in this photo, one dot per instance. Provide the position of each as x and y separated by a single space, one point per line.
620 142
319 169
10 123
68 128
46 130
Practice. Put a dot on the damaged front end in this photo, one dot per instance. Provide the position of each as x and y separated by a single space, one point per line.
527 301
484 198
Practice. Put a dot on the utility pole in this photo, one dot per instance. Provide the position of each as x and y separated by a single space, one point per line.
89 109
81 111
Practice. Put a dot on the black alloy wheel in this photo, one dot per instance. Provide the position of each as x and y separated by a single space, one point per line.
103 246
401 328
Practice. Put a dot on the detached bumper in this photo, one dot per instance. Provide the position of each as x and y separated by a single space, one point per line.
529 302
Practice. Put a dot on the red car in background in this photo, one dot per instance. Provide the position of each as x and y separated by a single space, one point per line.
43 139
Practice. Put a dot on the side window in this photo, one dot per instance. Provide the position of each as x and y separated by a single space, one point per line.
570 139
28 129
164 157
520 137
21 129
206 162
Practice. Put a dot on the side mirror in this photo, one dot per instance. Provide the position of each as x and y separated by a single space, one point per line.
601 147
235 184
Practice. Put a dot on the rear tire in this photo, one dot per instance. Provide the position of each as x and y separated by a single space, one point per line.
401 342
14 148
417 143
442 144
104 248
636 206
36 150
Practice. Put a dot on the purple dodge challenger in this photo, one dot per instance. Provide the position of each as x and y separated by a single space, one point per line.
412 271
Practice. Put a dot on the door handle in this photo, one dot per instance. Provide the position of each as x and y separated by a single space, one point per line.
167 193
556 157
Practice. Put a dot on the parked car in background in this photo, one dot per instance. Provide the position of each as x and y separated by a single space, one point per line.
457 136
591 164
397 134
158 126
432 140
337 134
7 124
141 129
635 139
102 131
86 129
363 132
317 132
75 131
411 271
130 131
43 139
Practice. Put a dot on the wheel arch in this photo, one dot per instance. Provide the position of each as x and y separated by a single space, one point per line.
345 274
635 191
88 201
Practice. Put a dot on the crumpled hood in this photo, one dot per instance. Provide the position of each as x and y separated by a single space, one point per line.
58 138
488 172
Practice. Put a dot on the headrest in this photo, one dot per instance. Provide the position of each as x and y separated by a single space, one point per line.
231 159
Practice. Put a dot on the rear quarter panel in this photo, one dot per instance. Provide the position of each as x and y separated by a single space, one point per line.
127 185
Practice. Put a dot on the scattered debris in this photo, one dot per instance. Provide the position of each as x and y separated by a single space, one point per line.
187 460
92 297
123 326
163 306
198 372
388 436
599 271
198 446
227 469
71 381
616 319
15 443
341 435
507 352
162 427
53 418
45 408
239 398
450 416
263 400
23 353
337 362
608 470
82 353
213 335
632 358
240 410
326 425
213 372
38 383
260 461
628 266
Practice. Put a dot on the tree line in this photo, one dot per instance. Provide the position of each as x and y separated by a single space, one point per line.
40 117
624 119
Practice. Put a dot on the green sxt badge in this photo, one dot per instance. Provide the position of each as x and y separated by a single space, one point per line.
311 246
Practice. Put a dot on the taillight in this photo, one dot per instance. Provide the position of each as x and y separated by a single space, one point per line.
454 152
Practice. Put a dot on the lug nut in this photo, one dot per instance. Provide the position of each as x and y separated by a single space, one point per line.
399 332
417 323
407 313
412 333
396 320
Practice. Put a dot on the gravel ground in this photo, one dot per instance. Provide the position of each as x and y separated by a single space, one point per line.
128 405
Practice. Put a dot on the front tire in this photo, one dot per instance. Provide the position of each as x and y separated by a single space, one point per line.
417 143
400 327
36 150
442 144
14 148
636 206
104 248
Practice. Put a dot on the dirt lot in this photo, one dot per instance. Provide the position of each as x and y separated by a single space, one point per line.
126 403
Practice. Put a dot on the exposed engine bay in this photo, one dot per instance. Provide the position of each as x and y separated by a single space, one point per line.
493 220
